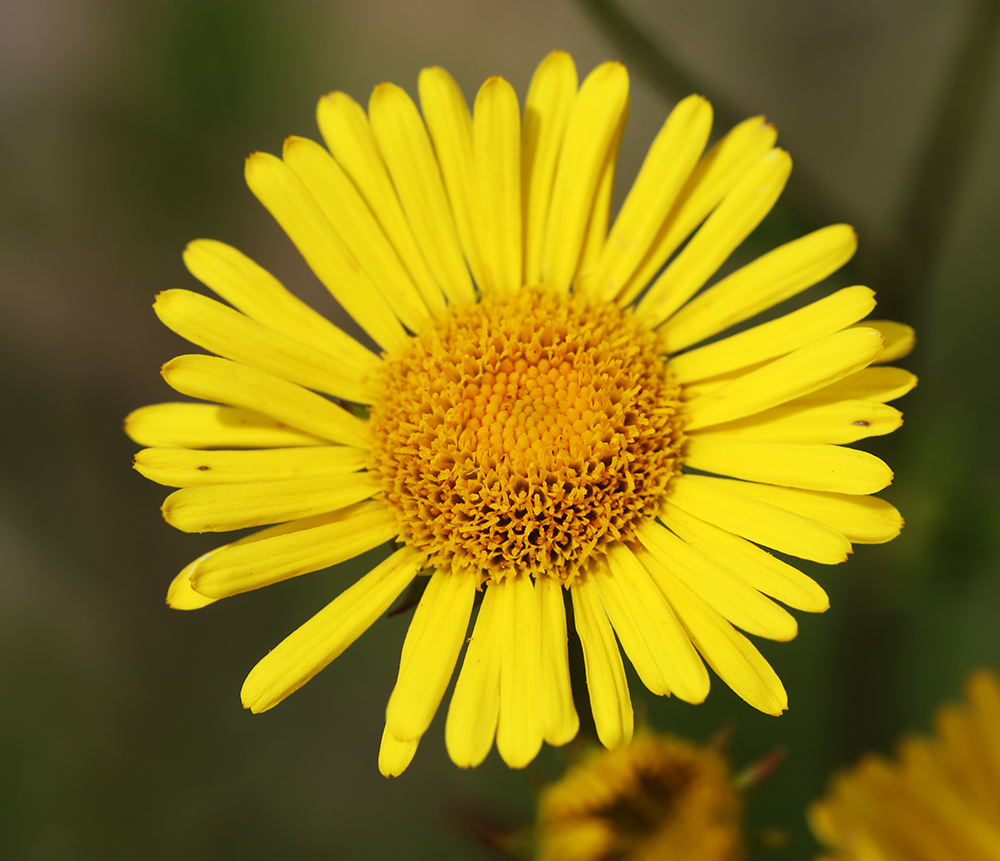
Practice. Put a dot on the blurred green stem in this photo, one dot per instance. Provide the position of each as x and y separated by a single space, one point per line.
940 167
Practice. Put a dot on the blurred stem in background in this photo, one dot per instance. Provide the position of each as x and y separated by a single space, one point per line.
871 628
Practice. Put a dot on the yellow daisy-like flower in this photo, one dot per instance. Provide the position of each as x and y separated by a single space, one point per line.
938 801
541 419
658 799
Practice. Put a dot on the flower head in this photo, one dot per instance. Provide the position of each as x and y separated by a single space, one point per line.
546 410
938 800
659 798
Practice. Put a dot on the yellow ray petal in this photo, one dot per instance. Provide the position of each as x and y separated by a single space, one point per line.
671 650
757 521
449 124
519 727
546 114
560 722
838 422
724 591
620 613
183 467
230 334
810 466
475 704
394 755
300 547
496 134
759 285
740 211
748 561
258 294
181 425
861 519
871 384
667 166
609 697
799 373
431 648
356 225
213 379
591 129
720 169
224 507
900 339
729 653
596 234
314 645
406 148
776 337
283 195
181 594
345 129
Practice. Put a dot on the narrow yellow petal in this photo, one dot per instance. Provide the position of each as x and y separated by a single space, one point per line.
720 169
871 384
182 425
724 591
748 561
406 148
861 519
757 521
258 294
683 671
546 113
596 234
740 211
356 225
181 594
475 704
837 422
729 653
213 379
776 337
299 547
810 466
668 165
609 697
620 613
395 755
449 124
759 285
496 134
591 129
283 195
224 507
184 467
314 645
230 334
519 727
560 722
799 373
345 129
900 339
431 648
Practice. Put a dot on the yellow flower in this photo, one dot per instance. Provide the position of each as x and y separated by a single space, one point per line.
542 417
939 801
658 799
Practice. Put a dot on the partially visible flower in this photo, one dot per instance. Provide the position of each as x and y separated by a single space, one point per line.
939 800
658 799
550 418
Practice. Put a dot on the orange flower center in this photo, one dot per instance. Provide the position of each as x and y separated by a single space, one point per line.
525 432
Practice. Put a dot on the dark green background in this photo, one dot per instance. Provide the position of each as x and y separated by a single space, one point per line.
123 128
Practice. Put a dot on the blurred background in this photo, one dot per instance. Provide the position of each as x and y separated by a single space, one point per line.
123 129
